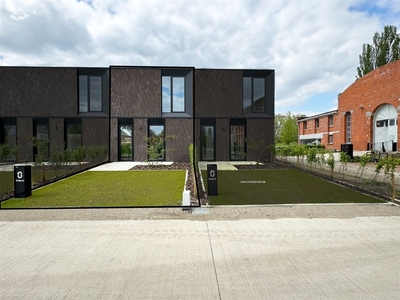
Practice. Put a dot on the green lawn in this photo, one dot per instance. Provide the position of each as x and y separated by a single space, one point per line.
7 178
112 188
286 186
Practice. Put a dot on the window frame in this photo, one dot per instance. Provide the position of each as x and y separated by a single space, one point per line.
171 94
89 93
156 122
72 122
208 123
330 139
125 122
88 74
41 122
316 122
330 120
347 118
252 93
232 123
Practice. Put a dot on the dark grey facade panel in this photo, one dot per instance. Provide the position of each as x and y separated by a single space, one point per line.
38 92
139 139
135 92
24 139
218 93
222 139
95 132
177 148
259 131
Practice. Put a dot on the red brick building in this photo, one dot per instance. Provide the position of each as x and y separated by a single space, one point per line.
367 115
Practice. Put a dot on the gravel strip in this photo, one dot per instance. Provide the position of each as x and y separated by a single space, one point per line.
342 211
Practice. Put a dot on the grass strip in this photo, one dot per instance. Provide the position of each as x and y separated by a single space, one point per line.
287 186
108 188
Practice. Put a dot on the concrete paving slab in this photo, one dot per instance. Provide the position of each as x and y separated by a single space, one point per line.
106 260
124 165
295 258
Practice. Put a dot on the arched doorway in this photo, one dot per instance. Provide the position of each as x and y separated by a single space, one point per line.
385 128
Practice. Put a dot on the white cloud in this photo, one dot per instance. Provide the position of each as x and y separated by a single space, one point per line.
313 45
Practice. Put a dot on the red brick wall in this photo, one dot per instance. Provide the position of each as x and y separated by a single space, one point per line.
364 97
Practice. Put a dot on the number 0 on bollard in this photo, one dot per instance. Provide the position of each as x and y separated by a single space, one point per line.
212 180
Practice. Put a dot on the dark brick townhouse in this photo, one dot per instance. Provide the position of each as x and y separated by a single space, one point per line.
224 112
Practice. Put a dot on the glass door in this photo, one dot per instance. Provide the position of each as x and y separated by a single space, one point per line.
125 141
207 142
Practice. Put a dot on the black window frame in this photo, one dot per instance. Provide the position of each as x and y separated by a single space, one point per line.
72 122
46 122
187 74
237 122
156 122
253 111
89 73
171 96
208 122
9 121
125 122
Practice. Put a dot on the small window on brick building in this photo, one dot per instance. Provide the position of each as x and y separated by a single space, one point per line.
330 121
317 123
330 141
305 124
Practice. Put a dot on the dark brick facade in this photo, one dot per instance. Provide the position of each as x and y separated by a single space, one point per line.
133 95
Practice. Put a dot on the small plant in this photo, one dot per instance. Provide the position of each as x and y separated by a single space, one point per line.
344 159
156 147
363 163
5 152
259 147
331 163
311 156
194 161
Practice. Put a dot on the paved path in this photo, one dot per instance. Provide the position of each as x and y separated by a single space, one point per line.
283 258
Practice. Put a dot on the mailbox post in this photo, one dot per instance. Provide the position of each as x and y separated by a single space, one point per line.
22 181
212 180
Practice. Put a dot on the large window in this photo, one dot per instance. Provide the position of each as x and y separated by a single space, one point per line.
173 94
73 133
207 139
156 139
348 127
253 95
8 136
42 143
125 139
237 140
90 93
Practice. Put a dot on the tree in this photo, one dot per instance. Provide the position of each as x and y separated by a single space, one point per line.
385 48
286 128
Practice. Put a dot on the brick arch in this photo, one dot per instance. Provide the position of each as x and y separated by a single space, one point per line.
384 128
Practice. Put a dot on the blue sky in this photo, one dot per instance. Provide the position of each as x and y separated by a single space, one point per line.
313 45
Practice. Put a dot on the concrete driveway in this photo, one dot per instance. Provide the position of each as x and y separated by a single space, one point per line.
204 258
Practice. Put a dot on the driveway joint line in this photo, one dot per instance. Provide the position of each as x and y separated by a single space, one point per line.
213 259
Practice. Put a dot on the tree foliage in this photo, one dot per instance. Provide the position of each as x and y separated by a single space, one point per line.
385 48
286 128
